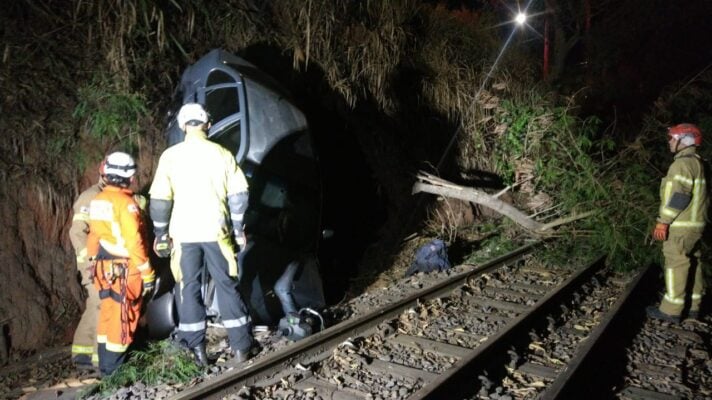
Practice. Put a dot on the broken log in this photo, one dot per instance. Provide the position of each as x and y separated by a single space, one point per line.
432 184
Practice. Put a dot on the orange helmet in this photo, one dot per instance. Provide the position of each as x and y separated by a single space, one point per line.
681 131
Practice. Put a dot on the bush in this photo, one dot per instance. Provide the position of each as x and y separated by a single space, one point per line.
111 115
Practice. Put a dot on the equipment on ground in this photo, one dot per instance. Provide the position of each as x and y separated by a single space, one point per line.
297 326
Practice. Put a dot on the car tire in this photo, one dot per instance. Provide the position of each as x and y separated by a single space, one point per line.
161 316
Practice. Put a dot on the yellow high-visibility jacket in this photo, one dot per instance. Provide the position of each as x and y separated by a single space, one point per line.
683 193
197 176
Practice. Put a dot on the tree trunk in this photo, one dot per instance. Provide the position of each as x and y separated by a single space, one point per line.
442 187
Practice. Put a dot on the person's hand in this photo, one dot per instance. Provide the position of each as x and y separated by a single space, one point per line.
162 245
240 240
148 289
92 268
660 233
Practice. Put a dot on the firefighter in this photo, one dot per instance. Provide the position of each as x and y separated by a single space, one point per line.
682 215
198 200
122 272
84 353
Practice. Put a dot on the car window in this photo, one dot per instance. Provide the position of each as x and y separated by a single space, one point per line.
274 194
221 95
229 137
217 77
221 103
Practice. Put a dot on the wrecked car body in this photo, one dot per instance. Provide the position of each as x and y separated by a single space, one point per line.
253 118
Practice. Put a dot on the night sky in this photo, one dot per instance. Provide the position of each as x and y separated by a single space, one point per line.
633 49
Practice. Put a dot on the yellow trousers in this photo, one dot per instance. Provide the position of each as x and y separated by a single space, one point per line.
84 343
682 257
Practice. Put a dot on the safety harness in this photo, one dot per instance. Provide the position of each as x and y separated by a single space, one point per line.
117 270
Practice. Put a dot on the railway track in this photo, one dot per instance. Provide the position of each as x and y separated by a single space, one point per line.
304 363
508 329
410 348
503 330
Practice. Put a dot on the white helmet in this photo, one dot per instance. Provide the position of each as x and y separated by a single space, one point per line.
192 114
118 164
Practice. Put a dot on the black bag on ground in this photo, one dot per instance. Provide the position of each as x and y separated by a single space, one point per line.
432 256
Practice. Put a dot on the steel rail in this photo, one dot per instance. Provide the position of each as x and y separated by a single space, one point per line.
456 378
231 381
565 385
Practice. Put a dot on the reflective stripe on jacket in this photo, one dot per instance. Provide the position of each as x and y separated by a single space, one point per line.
198 175
79 230
683 193
115 224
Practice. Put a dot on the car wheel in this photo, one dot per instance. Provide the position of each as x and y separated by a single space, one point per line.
161 316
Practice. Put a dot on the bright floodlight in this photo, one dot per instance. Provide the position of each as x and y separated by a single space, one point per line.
521 18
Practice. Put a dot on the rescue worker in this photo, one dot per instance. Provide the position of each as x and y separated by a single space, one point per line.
122 272
682 215
84 353
198 200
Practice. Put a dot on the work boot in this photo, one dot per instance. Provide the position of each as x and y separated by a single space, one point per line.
200 354
82 362
654 312
240 356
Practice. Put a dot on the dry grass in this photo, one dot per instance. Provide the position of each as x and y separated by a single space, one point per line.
358 45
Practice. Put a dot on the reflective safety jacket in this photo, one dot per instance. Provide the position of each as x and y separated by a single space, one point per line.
198 176
79 230
683 193
115 226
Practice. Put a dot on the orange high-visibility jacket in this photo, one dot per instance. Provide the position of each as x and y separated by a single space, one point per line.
115 224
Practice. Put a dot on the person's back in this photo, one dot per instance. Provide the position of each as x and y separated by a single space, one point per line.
687 165
122 271
198 201
199 182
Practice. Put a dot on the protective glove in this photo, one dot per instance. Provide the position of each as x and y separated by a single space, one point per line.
148 289
162 245
92 268
240 240
660 232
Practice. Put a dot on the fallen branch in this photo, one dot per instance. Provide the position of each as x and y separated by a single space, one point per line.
432 184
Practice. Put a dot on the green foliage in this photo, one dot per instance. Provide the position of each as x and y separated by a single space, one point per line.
551 150
512 144
491 247
162 362
112 115
621 194
568 253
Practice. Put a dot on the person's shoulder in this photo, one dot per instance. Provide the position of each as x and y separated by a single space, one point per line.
172 150
89 193
686 165
121 196
219 149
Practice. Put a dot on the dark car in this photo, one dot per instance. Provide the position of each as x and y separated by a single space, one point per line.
252 117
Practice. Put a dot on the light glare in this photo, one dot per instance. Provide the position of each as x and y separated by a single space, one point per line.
521 18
